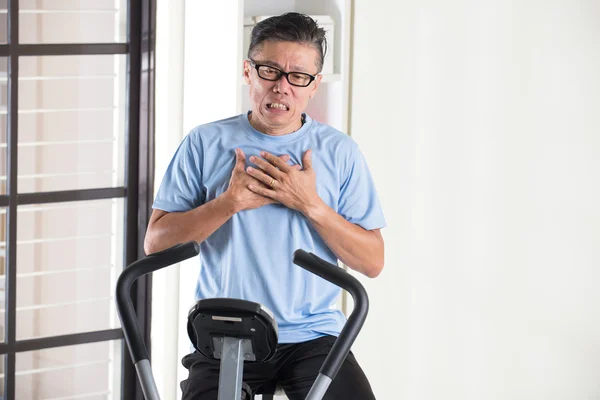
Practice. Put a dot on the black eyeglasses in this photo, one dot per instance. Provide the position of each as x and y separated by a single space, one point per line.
270 73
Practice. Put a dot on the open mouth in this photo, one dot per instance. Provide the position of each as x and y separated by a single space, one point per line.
277 106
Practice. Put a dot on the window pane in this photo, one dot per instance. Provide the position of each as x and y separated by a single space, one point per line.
2 274
3 125
72 113
72 21
2 372
88 371
69 256
3 21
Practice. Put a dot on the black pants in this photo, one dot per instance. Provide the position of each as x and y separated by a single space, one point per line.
294 366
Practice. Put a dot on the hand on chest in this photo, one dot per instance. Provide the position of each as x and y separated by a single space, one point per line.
281 168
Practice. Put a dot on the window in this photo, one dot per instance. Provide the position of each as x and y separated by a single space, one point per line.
76 165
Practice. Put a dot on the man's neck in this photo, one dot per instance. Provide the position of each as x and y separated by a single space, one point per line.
286 131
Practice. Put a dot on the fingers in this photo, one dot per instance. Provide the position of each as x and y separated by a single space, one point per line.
266 192
307 159
286 158
276 161
260 175
240 160
276 166
267 167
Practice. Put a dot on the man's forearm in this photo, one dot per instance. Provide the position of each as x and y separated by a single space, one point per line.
180 227
360 249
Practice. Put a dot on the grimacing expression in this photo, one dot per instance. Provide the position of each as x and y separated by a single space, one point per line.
277 106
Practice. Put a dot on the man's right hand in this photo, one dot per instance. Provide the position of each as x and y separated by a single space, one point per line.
242 197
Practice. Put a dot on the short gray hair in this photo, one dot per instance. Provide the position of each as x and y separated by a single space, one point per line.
290 27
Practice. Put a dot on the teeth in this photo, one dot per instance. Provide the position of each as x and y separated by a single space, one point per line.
278 105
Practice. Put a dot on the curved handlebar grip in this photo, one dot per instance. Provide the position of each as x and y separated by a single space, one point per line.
341 278
150 263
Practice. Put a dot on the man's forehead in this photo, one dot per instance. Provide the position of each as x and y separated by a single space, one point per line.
297 67
298 56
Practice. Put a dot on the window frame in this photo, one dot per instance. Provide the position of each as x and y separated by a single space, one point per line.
137 191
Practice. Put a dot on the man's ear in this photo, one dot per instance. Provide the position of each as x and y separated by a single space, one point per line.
313 92
247 69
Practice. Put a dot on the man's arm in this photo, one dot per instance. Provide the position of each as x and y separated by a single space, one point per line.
360 249
168 229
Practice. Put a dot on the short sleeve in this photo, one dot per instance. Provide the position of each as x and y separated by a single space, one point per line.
358 202
181 188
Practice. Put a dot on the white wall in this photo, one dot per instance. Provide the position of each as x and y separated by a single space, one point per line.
480 122
166 324
185 52
206 98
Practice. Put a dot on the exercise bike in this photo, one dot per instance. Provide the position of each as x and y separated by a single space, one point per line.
236 331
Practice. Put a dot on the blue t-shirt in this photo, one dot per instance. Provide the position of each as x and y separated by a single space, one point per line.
250 256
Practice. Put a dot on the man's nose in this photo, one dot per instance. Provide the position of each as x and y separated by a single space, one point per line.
282 85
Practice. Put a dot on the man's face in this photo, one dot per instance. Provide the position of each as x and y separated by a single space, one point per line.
277 106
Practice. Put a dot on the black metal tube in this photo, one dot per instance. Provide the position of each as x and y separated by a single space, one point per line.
150 263
341 278
72 195
12 190
71 49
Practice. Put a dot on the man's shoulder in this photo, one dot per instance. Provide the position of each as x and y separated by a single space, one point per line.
215 127
333 137
325 129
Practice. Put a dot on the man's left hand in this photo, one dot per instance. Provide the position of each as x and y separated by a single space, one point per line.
294 188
